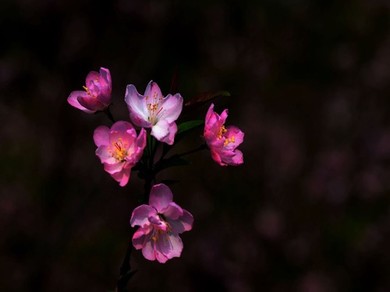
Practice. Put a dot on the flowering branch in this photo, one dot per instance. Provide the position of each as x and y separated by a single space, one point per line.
122 148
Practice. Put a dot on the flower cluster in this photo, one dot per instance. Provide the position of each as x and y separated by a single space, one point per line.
131 145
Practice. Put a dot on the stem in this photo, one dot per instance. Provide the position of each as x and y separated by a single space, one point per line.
108 113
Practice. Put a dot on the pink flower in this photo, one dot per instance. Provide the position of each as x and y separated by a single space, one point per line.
119 149
160 223
152 110
222 141
97 92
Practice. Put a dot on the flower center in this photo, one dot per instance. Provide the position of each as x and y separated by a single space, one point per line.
88 91
154 108
119 152
162 227
221 132
229 140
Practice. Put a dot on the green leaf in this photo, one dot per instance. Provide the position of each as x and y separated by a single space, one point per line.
189 125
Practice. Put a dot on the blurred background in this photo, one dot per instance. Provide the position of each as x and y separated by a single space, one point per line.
308 211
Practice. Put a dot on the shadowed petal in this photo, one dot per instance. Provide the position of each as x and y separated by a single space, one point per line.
141 214
72 100
160 197
91 103
140 237
148 250
173 211
170 245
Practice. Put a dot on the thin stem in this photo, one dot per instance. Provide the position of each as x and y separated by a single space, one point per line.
108 113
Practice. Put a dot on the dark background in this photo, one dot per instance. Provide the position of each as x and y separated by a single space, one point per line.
308 211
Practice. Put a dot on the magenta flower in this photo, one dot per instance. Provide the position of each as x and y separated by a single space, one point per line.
119 149
222 141
160 223
97 92
152 110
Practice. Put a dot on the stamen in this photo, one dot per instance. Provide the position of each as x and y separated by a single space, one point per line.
229 140
221 132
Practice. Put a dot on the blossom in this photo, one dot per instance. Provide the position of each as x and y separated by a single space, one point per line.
152 110
97 92
119 149
222 141
160 223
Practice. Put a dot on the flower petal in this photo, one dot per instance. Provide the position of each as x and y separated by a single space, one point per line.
141 214
140 236
184 223
170 138
160 197
173 211
101 136
122 177
153 91
137 107
169 244
187 220
236 159
91 103
121 126
172 106
72 100
103 152
160 130
115 167
148 250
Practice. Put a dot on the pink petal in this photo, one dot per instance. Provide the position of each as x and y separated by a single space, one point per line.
160 197
235 132
184 223
106 77
237 159
140 236
187 220
112 168
223 116
169 244
162 259
172 107
137 107
72 100
91 103
121 126
160 130
101 136
148 250
141 140
173 211
103 152
141 214
170 138
122 177
216 157
152 91
92 78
